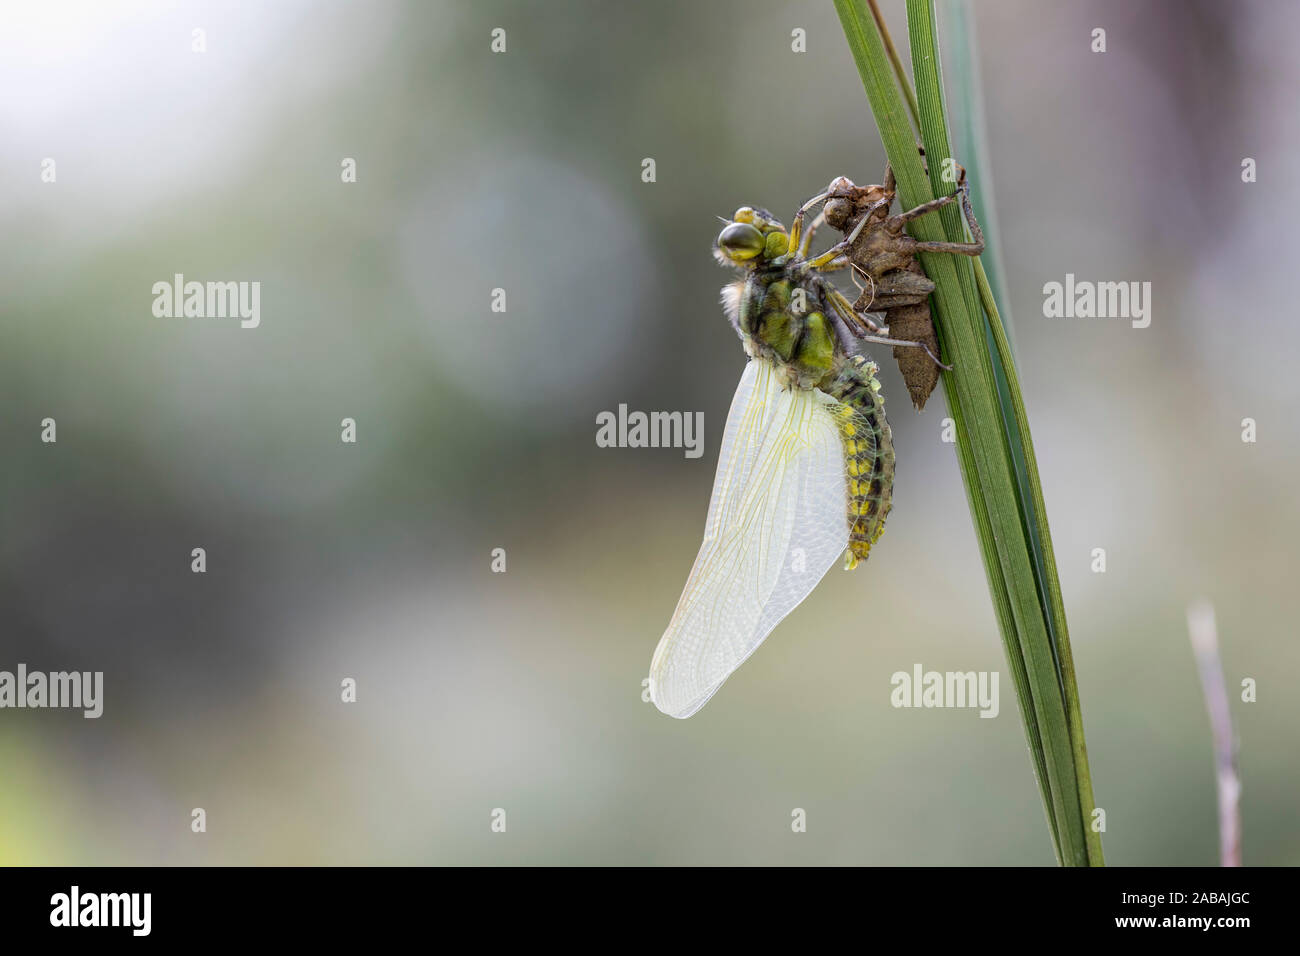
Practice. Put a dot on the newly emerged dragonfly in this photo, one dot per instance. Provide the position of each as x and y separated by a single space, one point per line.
806 469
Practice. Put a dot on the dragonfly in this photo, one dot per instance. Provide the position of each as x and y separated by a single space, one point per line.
806 470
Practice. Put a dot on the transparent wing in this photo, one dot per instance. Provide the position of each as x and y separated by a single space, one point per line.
776 524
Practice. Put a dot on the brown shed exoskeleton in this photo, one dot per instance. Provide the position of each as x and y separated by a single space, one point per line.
883 258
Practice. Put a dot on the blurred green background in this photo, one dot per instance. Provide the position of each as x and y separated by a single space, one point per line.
476 430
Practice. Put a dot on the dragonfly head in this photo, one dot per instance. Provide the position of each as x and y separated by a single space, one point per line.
751 236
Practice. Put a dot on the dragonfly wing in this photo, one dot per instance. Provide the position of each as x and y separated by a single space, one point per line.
777 522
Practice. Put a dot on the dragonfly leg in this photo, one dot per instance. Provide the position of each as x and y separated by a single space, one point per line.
864 329
806 245
796 226
973 248
839 262
925 207
903 343
859 322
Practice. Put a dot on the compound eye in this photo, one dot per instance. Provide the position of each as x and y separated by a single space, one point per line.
740 241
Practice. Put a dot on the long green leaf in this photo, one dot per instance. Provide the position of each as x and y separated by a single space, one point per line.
994 450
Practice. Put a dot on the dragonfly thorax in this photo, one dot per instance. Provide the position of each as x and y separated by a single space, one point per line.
782 317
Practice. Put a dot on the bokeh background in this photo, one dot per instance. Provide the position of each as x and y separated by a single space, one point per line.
476 430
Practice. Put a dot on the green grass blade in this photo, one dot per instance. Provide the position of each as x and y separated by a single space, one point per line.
1041 539
993 446
972 145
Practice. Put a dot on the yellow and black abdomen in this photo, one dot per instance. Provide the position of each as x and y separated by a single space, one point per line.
868 454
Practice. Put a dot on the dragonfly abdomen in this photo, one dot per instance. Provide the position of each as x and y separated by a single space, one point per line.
868 454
